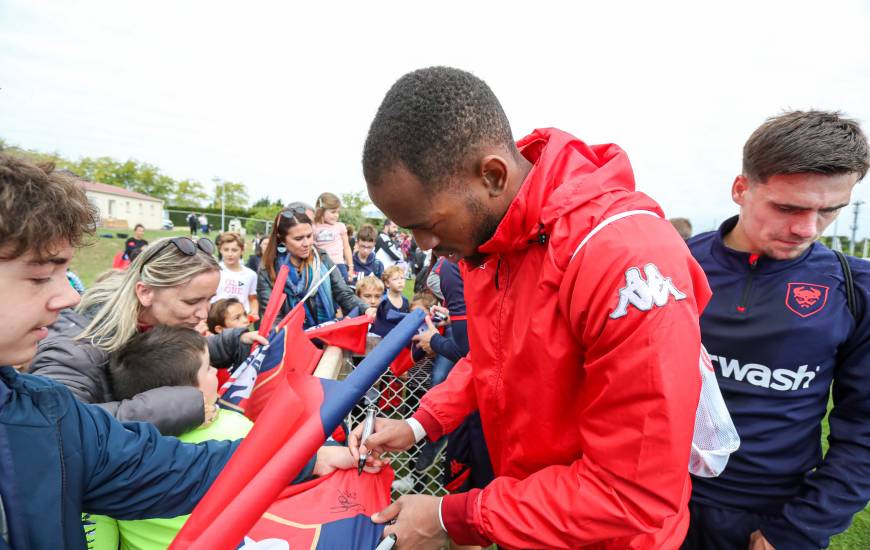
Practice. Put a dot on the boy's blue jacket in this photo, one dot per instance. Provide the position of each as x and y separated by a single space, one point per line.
64 458
778 333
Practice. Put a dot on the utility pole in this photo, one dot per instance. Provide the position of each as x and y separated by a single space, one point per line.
854 226
218 184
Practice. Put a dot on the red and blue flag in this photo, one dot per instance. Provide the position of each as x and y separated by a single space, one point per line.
293 420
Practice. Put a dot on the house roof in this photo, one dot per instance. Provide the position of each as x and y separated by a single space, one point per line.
115 190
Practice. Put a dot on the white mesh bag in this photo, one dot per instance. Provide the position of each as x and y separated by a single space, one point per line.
715 436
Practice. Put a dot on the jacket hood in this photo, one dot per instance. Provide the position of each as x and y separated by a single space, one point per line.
567 174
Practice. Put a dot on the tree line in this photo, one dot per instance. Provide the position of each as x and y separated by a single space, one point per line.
147 179
144 178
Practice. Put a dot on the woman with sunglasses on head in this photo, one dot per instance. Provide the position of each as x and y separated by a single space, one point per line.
169 283
291 243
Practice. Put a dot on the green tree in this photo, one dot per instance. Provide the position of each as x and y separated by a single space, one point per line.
352 205
264 216
189 193
232 194
131 174
264 201
35 156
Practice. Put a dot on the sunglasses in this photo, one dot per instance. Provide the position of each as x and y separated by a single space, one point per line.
185 245
291 213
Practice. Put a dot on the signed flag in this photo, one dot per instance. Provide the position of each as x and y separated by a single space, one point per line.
301 412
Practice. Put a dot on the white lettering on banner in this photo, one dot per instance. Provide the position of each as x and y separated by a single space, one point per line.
764 377
643 294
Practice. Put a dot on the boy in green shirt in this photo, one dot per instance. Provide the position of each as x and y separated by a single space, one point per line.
175 356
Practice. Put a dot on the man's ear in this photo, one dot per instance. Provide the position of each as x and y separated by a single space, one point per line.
145 294
739 188
494 174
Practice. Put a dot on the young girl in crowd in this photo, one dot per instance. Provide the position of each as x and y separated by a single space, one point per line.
330 235
226 313
237 281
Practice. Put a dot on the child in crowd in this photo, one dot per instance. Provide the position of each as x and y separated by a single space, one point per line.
423 300
394 280
163 356
136 243
370 290
226 313
330 235
364 261
173 356
237 281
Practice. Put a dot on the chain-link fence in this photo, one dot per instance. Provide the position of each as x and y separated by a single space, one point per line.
251 226
398 397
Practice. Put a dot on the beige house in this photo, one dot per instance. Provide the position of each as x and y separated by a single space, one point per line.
122 208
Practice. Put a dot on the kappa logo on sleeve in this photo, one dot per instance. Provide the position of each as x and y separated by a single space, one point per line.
644 293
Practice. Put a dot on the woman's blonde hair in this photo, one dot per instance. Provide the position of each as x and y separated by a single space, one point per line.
115 301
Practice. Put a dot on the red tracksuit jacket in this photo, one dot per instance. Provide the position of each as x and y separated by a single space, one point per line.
584 370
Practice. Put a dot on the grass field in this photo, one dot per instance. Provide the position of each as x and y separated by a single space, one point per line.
92 260
96 257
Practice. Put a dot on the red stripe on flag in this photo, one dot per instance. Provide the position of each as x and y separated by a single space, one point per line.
276 300
299 355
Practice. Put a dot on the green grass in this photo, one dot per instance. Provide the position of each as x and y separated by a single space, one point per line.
91 260
96 256
857 536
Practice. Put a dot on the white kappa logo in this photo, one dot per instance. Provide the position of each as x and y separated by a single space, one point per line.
642 294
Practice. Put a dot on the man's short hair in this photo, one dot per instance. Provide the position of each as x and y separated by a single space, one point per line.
430 121
162 356
683 227
369 282
367 233
41 207
800 142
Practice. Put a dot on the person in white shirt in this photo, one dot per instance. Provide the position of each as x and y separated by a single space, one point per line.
237 281
386 249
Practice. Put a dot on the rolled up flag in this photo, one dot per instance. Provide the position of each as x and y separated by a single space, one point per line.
301 412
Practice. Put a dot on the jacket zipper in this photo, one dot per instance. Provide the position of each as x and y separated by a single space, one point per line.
499 353
744 297
62 481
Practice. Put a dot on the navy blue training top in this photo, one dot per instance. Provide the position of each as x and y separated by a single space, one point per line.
778 333
453 289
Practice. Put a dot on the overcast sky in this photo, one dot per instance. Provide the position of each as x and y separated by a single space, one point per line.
280 96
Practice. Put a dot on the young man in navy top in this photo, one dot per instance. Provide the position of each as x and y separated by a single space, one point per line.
780 330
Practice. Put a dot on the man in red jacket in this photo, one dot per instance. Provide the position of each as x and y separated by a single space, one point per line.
583 307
